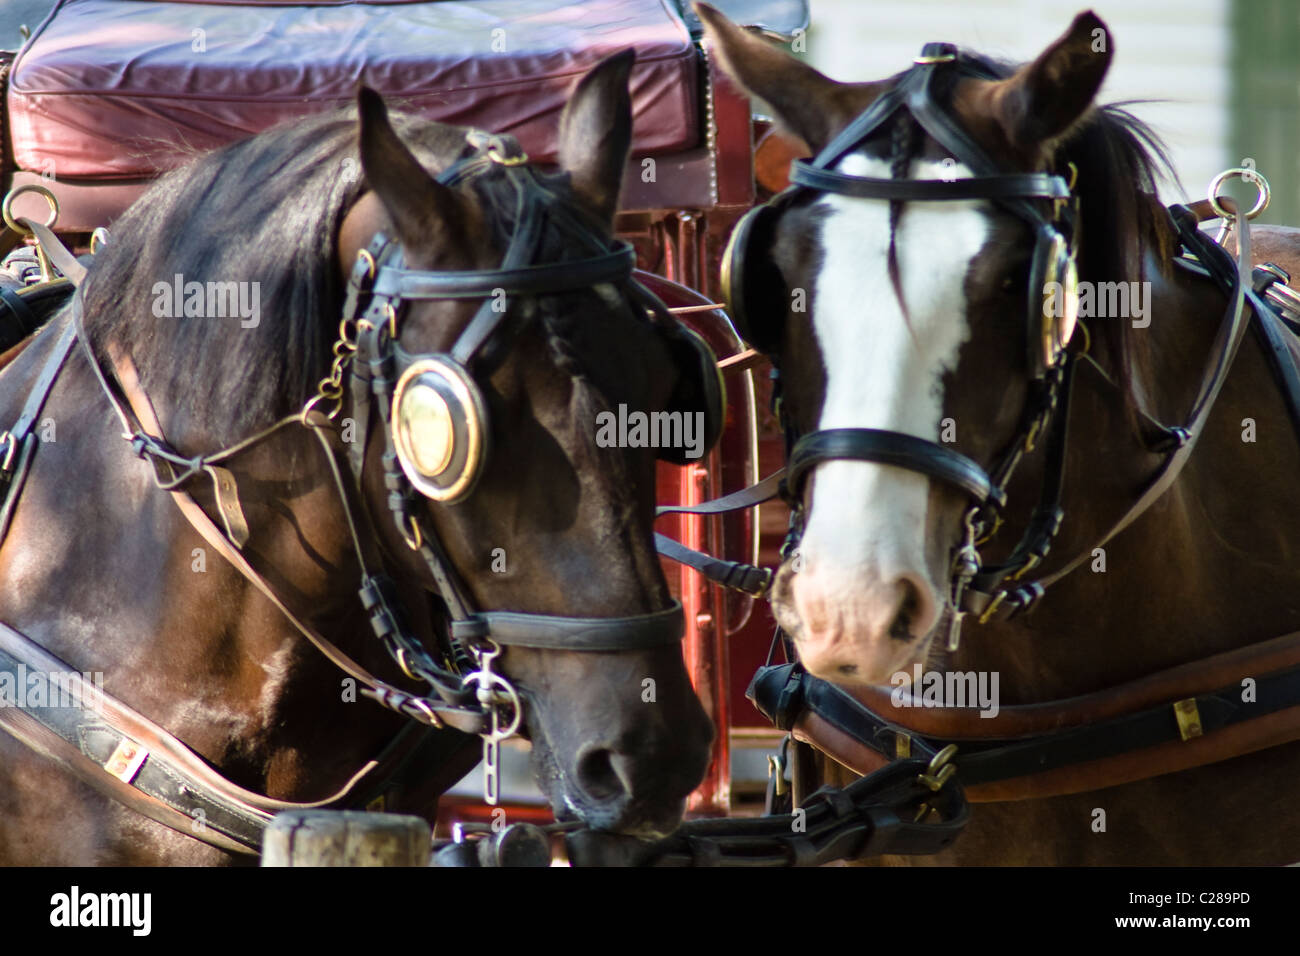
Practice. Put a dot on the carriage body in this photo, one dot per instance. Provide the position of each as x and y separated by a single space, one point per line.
106 96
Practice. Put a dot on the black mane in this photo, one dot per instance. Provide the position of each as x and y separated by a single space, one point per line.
264 210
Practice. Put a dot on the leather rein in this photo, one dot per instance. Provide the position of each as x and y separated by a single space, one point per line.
120 752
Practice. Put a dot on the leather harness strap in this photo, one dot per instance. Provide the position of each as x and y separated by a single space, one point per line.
142 408
1232 330
1176 720
18 445
118 751
172 471
897 811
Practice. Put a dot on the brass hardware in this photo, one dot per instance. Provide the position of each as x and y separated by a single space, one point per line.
330 388
7 213
500 158
936 781
928 60
1029 565
405 665
127 759
1031 439
902 746
7 207
988 535
11 448
420 704
776 771
992 608
348 341
940 770
1087 338
413 538
1189 718
364 256
1074 176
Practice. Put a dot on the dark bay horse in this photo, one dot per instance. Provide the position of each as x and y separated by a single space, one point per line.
103 571
921 320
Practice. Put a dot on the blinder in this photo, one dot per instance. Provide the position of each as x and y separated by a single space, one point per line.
440 426
439 422
1054 307
752 287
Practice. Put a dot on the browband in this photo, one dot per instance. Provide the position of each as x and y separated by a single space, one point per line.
913 91
1017 186
614 266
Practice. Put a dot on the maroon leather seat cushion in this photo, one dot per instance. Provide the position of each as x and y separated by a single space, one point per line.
122 89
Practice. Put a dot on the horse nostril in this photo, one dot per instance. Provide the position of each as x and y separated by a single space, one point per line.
597 776
901 629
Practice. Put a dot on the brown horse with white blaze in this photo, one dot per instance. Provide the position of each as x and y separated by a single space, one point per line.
916 325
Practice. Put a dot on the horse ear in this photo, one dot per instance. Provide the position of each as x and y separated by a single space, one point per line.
1044 99
596 134
426 214
811 105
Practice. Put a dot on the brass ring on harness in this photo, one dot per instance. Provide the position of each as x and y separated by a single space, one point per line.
349 343
423 707
311 406
7 208
391 313
413 539
405 665
495 154
364 255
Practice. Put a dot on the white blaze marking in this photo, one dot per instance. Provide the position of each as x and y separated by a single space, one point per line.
880 374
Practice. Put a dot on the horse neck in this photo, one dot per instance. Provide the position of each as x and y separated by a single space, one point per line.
1208 567
284 708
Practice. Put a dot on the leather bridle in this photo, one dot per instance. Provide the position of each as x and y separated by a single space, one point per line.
466 693
1023 195
373 358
